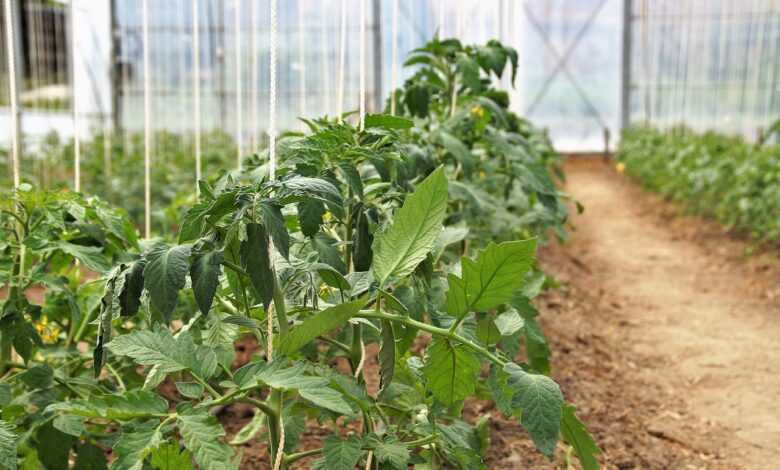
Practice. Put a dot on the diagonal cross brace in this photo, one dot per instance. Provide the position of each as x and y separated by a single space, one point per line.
562 59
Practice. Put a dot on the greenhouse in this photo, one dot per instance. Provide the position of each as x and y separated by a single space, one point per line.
389 234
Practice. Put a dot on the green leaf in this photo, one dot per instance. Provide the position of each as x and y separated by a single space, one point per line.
310 214
69 424
165 275
192 390
205 271
37 377
160 349
256 259
388 121
250 429
315 188
91 256
540 401
53 446
361 244
90 457
110 308
451 371
469 70
201 433
386 356
501 391
492 279
326 397
274 221
459 150
135 443
8 440
130 405
536 346
168 457
389 451
406 243
321 323
341 454
130 298
509 323
575 433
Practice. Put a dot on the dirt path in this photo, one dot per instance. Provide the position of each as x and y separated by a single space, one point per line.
709 320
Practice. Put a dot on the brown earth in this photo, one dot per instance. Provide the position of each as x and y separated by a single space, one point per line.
664 334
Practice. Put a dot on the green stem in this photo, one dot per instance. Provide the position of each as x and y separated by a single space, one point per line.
241 272
117 377
335 343
434 330
291 458
273 424
280 306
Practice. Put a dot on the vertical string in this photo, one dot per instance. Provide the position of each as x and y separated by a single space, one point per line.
302 58
74 100
147 124
362 91
342 59
325 58
454 101
196 87
10 40
254 141
239 109
272 176
394 59
272 98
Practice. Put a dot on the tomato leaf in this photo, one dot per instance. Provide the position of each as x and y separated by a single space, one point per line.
406 243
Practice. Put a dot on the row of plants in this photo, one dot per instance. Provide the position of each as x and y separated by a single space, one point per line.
113 167
416 232
725 177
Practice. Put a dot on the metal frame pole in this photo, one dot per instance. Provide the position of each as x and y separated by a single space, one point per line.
625 95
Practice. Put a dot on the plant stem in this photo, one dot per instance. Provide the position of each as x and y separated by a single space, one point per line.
288 459
434 330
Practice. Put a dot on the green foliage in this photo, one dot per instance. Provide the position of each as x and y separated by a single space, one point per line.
711 174
399 249
406 228
577 436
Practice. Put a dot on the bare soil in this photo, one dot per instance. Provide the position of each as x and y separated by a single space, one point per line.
665 334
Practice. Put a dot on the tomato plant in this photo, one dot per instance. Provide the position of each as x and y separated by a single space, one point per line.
712 174
414 237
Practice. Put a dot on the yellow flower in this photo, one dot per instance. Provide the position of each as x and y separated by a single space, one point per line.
621 167
478 112
49 332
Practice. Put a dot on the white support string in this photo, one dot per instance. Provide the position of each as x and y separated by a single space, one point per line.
239 87
74 100
10 40
394 59
272 176
362 91
302 58
196 87
342 59
458 32
147 124
272 97
325 56
254 140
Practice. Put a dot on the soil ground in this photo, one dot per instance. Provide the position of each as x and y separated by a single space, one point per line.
681 327
664 334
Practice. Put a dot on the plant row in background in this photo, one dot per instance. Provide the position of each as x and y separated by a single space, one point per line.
725 177
417 233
